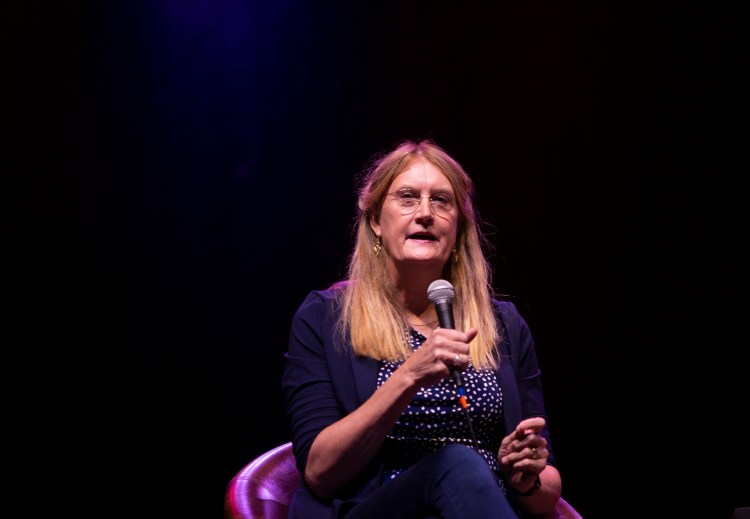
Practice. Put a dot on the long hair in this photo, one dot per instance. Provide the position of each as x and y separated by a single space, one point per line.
372 312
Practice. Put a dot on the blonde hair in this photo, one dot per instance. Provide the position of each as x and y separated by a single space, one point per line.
372 312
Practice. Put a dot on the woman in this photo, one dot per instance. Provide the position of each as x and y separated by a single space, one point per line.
378 428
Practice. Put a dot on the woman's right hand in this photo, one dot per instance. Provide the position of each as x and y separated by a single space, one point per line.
432 361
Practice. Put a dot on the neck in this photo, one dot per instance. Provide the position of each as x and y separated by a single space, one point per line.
412 284
412 281
414 270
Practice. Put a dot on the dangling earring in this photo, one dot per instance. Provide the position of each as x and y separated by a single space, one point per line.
454 253
378 246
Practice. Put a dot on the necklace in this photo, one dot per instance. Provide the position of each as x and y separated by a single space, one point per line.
424 324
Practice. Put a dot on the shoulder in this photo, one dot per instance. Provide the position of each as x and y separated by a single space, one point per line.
507 313
328 294
332 293
516 336
320 301
504 305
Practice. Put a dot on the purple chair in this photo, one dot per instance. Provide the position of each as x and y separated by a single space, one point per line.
263 488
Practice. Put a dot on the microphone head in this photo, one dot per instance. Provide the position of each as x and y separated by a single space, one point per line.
440 291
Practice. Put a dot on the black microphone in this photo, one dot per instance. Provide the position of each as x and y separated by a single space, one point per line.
440 293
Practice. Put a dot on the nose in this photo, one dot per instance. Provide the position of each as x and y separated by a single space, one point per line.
424 210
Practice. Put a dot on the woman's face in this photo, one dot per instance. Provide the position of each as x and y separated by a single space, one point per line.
419 219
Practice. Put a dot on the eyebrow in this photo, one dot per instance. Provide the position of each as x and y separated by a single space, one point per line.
442 191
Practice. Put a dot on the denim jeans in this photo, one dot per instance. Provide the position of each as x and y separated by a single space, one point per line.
451 483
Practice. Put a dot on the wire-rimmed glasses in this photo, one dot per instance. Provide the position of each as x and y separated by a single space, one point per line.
441 204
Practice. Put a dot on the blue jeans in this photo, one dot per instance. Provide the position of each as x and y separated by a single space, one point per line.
451 483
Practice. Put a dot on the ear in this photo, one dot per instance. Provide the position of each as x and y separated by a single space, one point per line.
375 226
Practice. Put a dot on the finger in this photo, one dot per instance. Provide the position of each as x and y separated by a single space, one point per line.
524 460
454 360
536 453
531 425
529 440
535 422
519 451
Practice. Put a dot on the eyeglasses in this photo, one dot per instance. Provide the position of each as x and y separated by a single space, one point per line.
440 204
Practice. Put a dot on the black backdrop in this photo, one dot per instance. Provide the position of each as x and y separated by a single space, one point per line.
181 174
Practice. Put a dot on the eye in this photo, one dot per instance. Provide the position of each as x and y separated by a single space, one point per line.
406 195
441 200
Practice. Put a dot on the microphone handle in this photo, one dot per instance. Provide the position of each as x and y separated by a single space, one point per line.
445 318
444 312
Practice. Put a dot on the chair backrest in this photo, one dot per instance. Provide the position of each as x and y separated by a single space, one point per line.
263 488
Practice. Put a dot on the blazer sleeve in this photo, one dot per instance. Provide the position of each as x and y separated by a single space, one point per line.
518 349
308 388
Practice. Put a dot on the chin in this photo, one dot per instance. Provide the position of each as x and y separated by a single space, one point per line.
425 262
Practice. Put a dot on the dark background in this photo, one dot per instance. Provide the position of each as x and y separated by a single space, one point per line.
180 174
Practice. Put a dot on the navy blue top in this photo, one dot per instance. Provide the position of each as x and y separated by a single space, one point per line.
324 381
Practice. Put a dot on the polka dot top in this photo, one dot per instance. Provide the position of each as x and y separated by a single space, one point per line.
435 417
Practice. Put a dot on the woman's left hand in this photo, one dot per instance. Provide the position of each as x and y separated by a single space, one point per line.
523 454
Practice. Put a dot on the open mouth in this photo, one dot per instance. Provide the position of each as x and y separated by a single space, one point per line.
422 236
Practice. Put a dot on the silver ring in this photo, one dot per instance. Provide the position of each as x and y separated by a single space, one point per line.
457 360
533 453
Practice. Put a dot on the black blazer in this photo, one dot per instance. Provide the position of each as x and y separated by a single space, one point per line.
323 382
